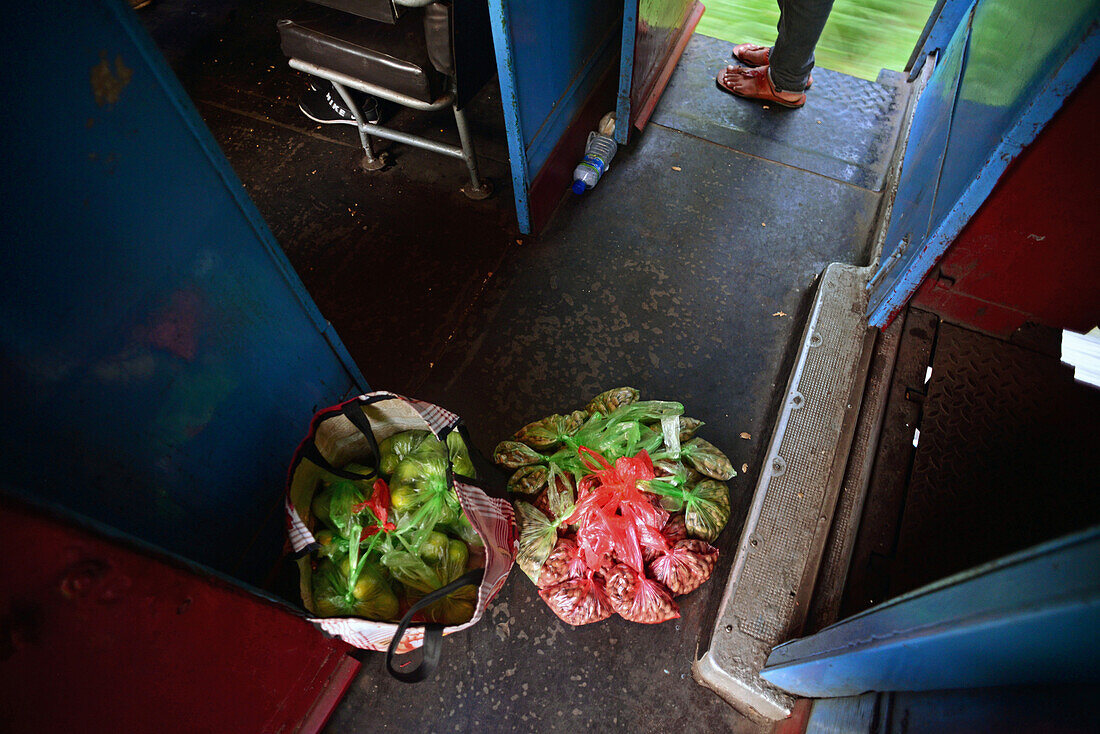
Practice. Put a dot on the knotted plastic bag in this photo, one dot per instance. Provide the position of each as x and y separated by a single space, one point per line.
578 601
400 446
548 433
707 458
564 563
514 455
637 598
608 401
685 566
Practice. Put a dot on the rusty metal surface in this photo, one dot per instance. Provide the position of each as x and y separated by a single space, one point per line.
103 636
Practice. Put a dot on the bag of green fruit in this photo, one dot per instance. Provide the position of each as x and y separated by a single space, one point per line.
396 544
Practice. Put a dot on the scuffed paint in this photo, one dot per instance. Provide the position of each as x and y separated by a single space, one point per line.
107 85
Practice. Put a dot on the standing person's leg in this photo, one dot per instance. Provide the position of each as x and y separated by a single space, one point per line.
792 57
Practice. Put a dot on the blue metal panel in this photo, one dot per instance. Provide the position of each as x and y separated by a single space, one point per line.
924 154
550 56
509 98
161 359
1022 61
1031 618
942 23
1012 57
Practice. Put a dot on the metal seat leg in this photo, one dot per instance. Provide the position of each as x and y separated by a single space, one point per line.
477 189
371 162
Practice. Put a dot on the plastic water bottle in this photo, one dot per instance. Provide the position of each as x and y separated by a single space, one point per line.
598 153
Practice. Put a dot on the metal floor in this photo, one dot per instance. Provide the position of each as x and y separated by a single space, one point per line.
686 273
1004 457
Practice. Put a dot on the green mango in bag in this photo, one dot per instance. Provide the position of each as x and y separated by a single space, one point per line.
424 473
411 570
434 547
458 606
464 529
370 596
400 446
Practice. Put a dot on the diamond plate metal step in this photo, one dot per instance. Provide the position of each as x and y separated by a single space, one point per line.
768 592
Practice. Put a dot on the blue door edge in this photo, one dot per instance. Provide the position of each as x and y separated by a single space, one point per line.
1032 606
626 71
506 74
942 22
168 81
1022 133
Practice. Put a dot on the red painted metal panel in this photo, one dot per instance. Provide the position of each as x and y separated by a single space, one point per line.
97 636
1032 252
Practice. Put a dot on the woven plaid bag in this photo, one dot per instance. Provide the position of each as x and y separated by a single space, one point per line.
351 432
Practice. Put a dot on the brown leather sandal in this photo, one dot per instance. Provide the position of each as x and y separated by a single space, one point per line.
756 84
753 55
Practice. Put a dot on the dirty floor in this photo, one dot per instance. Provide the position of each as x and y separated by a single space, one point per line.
687 273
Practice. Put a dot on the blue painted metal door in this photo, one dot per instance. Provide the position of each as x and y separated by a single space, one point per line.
161 359
550 57
1030 618
1003 72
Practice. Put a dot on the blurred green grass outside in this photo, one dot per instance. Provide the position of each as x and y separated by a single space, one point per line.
861 37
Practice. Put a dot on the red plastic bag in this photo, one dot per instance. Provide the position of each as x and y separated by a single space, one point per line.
637 598
578 601
684 567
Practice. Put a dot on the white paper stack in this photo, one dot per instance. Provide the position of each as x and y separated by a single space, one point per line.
1083 352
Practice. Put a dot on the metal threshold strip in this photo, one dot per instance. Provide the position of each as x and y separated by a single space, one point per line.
767 599
768 592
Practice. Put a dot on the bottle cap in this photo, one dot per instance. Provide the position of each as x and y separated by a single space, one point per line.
579 187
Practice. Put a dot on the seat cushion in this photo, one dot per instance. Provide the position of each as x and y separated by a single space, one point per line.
391 56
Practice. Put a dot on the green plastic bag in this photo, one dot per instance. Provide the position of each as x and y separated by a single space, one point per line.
547 434
515 455
706 457
610 400
399 446
461 463
364 594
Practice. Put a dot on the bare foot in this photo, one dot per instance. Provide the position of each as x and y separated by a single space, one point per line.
756 84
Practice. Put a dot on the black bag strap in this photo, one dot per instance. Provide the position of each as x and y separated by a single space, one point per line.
353 413
433 633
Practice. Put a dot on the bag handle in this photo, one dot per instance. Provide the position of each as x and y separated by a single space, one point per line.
352 412
433 632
